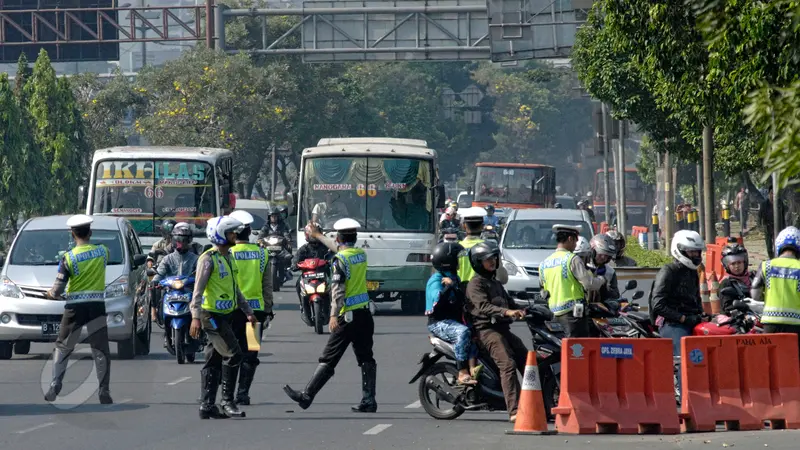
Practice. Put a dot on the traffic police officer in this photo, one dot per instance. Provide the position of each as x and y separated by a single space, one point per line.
473 225
82 273
777 280
255 283
351 319
216 296
565 278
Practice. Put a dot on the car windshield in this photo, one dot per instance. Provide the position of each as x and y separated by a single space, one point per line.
537 234
46 247
567 202
382 194
148 192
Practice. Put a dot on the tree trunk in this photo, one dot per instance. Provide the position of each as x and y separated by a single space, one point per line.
708 184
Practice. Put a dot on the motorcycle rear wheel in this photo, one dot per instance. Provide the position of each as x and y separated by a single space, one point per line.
448 372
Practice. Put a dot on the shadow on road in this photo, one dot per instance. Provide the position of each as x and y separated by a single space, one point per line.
48 410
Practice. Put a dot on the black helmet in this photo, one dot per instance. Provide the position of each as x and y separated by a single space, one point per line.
732 253
557 206
445 256
283 211
619 240
182 238
480 253
489 209
275 211
166 227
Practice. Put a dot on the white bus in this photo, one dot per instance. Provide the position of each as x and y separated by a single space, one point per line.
148 185
391 187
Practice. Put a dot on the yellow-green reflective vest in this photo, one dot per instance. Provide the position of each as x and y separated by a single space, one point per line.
87 273
781 291
220 293
251 260
465 272
354 261
556 277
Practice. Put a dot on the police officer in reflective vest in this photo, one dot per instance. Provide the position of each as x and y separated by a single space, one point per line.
778 280
473 225
351 319
82 274
565 278
216 296
255 283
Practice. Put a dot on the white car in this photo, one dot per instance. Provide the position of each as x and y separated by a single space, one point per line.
528 239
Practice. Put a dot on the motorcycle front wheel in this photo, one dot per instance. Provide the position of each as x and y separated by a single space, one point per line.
178 340
319 318
430 401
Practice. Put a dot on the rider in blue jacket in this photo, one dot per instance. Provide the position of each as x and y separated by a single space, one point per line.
490 218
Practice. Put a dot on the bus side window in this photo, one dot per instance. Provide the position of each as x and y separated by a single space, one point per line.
225 182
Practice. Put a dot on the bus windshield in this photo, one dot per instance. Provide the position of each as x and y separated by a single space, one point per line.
515 185
382 194
635 188
149 192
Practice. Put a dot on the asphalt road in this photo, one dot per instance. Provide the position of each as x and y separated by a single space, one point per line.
156 403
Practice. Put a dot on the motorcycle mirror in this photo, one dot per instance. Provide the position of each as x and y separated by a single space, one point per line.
631 284
637 295
151 272
740 305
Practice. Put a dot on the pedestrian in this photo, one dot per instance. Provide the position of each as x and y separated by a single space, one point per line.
351 319
742 205
82 275
216 296
255 282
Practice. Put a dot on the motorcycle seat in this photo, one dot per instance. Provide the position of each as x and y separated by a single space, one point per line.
639 316
443 346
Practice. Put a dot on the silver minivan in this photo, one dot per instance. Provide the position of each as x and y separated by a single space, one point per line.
30 269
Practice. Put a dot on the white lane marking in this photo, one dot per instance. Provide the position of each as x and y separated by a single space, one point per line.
179 380
414 405
378 428
37 427
121 402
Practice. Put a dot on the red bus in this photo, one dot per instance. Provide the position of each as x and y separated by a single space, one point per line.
515 185
638 198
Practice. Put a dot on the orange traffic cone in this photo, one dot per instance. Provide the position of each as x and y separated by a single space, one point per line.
531 416
704 294
716 305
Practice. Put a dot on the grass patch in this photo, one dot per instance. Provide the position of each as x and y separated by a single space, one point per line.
644 257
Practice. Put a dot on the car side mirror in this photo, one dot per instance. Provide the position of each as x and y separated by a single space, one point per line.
440 196
139 260
631 284
637 295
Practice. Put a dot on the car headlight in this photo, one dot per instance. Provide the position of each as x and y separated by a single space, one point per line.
9 289
512 268
176 284
117 288
321 288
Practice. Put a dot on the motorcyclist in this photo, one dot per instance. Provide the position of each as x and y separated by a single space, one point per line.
275 226
492 311
777 282
313 248
490 218
180 262
454 205
735 261
676 305
449 219
584 205
620 260
445 306
602 251
163 244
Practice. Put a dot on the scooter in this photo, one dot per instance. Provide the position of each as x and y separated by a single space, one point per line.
315 293
606 319
177 318
490 233
438 379
450 235
279 254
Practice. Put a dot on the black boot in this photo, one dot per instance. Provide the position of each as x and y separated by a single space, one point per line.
369 375
318 380
60 360
228 387
247 372
209 380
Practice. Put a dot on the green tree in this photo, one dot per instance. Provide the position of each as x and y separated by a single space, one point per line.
15 140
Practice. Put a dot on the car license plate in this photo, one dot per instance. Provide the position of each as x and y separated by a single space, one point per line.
50 329
554 326
373 285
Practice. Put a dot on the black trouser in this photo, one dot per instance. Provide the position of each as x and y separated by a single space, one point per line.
76 316
576 327
224 346
780 328
358 332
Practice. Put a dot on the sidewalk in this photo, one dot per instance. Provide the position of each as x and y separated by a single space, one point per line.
754 243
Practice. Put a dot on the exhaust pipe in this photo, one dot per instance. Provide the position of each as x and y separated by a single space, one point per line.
443 390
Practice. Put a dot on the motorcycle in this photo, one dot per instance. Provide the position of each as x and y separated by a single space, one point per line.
279 254
177 317
450 235
438 379
606 319
315 293
155 300
490 233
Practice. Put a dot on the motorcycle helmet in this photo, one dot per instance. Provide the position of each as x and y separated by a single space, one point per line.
788 238
480 253
182 238
557 206
583 249
454 205
732 253
686 241
246 218
307 231
166 228
602 244
619 241
283 211
275 211
218 228
489 209
445 256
